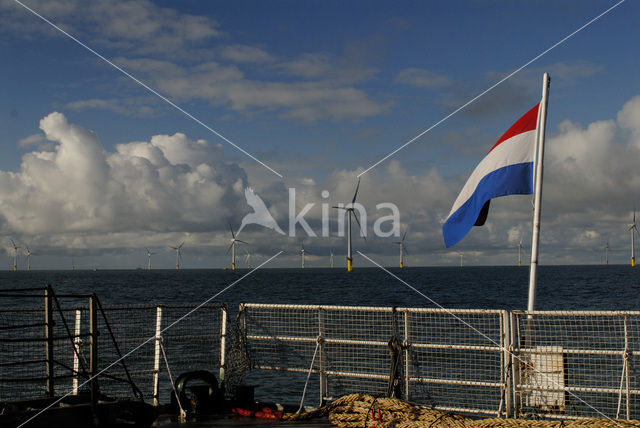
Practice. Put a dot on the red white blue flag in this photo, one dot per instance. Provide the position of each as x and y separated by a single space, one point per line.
506 170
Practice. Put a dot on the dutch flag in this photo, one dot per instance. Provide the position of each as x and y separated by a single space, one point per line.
506 170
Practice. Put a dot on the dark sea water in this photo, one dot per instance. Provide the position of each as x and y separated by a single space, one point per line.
559 287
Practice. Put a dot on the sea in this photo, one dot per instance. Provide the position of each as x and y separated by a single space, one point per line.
604 287
592 287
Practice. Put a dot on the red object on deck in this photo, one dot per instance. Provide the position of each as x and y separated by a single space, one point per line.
265 413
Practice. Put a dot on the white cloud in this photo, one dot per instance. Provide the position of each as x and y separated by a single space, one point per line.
246 54
168 184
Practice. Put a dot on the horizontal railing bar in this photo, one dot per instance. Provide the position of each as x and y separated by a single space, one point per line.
528 388
570 351
574 313
456 382
457 347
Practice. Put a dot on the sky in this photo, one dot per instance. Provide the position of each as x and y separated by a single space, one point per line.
95 167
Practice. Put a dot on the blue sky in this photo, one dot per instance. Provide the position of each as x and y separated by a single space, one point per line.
319 91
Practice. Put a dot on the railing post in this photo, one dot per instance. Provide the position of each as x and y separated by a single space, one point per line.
77 341
223 345
157 353
93 349
627 355
515 361
48 319
321 369
407 355
506 362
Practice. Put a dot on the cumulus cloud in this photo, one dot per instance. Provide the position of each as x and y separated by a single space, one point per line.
167 184
246 54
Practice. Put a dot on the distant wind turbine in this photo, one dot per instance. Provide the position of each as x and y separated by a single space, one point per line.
15 255
351 210
520 253
460 259
232 247
331 259
606 253
247 259
402 248
178 250
28 252
302 253
634 229
149 254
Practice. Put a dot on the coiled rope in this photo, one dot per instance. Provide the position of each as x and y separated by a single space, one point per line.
365 411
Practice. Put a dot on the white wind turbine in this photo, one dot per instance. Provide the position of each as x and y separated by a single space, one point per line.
149 254
634 229
349 209
520 253
15 255
247 259
178 251
232 247
402 248
331 259
28 253
460 259
302 253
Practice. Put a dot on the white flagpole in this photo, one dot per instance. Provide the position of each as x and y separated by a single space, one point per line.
533 273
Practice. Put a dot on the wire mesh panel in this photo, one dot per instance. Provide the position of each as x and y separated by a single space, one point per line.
455 359
429 356
577 364
22 353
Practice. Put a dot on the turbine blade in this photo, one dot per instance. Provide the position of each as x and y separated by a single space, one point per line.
229 249
358 221
405 234
339 208
356 194
233 235
237 240
405 250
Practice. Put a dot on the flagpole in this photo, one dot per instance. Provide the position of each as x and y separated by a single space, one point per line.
533 273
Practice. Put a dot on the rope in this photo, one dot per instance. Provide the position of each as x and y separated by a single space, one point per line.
362 410
183 414
304 390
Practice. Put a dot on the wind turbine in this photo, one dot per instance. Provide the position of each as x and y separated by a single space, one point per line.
606 253
232 247
28 257
331 259
402 247
634 229
520 253
460 259
15 255
247 259
302 253
178 254
149 254
351 210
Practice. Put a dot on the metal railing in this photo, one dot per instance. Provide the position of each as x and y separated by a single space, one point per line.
562 365
39 357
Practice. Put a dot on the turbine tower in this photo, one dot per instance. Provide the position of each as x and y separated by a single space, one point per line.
178 250
460 259
149 254
606 253
232 247
520 253
350 210
15 255
331 259
28 252
247 259
402 248
634 229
